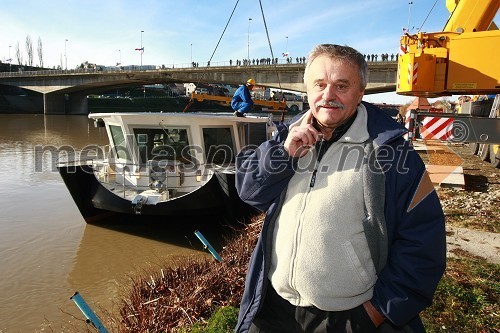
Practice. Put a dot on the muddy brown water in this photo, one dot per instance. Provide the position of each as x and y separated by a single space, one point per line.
48 252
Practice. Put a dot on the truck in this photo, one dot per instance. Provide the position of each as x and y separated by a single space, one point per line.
294 102
462 59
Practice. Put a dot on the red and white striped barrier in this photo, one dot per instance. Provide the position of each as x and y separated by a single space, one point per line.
432 128
412 74
437 128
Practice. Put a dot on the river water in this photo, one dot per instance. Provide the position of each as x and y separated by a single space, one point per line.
48 252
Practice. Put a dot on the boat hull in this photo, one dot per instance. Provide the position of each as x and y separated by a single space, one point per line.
95 202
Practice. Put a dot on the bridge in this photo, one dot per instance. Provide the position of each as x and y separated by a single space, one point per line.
57 87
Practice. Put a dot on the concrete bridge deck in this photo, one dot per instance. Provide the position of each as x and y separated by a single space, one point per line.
56 85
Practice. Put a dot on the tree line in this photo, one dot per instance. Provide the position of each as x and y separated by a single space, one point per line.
30 53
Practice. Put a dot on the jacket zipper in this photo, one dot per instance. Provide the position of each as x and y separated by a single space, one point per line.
316 165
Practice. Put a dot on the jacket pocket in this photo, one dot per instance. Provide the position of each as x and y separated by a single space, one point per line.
361 263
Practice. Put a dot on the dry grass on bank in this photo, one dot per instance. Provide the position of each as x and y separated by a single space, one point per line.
177 297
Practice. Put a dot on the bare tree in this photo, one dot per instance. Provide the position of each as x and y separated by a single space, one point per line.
29 50
40 52
19 55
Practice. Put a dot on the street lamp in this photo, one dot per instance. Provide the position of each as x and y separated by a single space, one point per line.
10 60
120 58
248 54
409 11
286 49
191 54
142 50
65 55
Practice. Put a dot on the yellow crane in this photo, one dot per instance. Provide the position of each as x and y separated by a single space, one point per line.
462 59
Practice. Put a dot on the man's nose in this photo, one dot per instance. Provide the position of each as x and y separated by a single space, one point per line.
329 93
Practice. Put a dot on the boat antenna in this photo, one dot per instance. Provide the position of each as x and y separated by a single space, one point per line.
272 53
213 53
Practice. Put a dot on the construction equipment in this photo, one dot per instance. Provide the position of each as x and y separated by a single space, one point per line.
271 105
460 60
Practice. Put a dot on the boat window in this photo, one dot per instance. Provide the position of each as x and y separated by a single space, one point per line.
219 145
162 143
120 145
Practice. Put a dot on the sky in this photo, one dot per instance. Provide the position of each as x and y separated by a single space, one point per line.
107 32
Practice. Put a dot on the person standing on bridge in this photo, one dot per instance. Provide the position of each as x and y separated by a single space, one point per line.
242 100
354 235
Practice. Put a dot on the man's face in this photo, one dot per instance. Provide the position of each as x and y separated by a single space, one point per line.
330 80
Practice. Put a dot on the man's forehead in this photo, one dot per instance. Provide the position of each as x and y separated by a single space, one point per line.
335 62
340 70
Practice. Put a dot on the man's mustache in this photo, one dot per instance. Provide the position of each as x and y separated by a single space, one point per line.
331 104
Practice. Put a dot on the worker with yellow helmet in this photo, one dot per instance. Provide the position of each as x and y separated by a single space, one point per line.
242 100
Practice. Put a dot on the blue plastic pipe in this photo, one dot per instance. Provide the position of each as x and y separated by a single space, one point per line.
88 313
207 245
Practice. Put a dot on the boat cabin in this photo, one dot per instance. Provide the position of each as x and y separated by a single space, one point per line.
167 155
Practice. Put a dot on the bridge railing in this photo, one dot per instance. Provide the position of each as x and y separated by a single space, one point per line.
139 68
154 68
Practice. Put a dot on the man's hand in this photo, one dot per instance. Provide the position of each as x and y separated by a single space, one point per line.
302 137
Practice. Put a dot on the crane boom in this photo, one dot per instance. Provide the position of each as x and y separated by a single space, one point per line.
471 16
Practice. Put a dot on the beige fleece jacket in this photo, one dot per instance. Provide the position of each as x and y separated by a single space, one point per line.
320 253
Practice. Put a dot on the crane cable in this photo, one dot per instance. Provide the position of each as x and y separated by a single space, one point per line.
270 48
430 11
272 54
213 53
227 24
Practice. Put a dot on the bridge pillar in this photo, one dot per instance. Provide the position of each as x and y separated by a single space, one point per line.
53 103
58 103
78 104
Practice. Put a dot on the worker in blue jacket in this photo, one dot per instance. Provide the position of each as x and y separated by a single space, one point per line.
354 235
242 100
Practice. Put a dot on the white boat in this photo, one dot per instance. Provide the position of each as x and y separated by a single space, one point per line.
168 164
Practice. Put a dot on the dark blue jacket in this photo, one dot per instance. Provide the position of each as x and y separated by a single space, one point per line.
406 236
242 100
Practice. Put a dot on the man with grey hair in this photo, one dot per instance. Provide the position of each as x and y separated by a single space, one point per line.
354 236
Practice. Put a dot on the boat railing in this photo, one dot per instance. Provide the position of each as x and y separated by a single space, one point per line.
126 178
161 176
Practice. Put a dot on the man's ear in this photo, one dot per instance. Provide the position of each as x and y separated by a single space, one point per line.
361 94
